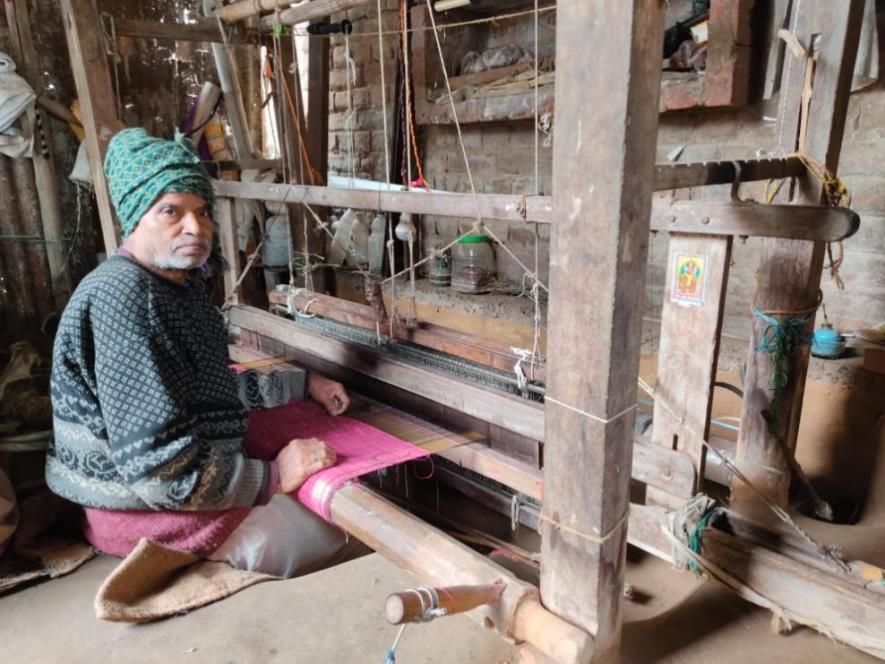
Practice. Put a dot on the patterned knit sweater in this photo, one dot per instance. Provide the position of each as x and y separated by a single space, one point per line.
146 412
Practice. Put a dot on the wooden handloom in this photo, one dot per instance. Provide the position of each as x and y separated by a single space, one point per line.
601 213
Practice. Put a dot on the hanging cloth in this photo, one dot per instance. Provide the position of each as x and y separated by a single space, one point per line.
15 97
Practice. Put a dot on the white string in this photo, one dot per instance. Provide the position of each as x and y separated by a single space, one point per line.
381 59
350 76
407 83
488 231
536 322
392 278
408 91
411 319
522 354
442 61
595 418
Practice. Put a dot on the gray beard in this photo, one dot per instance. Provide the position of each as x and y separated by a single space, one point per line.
183 263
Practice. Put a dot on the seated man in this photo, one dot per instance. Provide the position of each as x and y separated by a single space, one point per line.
147 417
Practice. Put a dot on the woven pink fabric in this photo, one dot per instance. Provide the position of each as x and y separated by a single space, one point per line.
360 447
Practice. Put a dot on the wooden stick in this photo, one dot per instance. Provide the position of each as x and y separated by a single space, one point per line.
204 30
93 80
308 11
704 217
597 287
411 605
437 559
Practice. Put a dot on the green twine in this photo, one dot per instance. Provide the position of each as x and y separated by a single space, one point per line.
694 540
781 339
280 30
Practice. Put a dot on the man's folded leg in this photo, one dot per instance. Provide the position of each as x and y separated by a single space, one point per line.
285 539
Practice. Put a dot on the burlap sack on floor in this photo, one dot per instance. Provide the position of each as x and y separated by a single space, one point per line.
155 582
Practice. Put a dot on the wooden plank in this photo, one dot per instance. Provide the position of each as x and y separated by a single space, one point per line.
438 560
603 166
724 218
25 55
489 75
308 11
790 270
704 217
228 235
694 303
203 30
727 74
93 80
698 174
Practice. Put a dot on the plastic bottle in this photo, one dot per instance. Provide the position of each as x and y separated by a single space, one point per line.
473 265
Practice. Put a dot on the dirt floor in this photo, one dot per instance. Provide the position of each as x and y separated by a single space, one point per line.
336 616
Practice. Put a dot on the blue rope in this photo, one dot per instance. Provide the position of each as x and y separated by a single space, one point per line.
780 339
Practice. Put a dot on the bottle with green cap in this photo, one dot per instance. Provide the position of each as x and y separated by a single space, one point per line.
473 265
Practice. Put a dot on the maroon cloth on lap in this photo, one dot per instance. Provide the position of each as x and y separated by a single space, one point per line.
361 449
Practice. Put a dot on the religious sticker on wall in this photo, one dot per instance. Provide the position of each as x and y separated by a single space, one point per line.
689 279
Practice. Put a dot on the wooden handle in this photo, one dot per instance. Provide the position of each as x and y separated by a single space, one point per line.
407 606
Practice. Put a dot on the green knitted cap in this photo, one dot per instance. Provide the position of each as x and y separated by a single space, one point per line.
140 168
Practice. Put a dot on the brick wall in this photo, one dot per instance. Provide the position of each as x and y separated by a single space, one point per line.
502 161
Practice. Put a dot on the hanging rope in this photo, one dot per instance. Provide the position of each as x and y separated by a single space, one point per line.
350 78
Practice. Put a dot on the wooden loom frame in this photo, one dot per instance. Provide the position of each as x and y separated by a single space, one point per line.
785 573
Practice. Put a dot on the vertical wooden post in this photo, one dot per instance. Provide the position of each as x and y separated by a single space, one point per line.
93 80
227 230
317 141
603 163
790 270
44 166
688 353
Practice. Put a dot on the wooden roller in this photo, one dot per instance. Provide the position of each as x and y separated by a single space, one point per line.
423 604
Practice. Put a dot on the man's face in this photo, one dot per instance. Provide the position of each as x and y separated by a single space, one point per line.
176 233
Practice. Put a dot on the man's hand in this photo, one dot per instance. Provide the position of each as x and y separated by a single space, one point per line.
331 395
300 459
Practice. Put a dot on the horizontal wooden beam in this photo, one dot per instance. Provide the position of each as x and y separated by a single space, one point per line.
666 469
703 173
799 222
306 11
204 30
438 560
705 217
240 11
